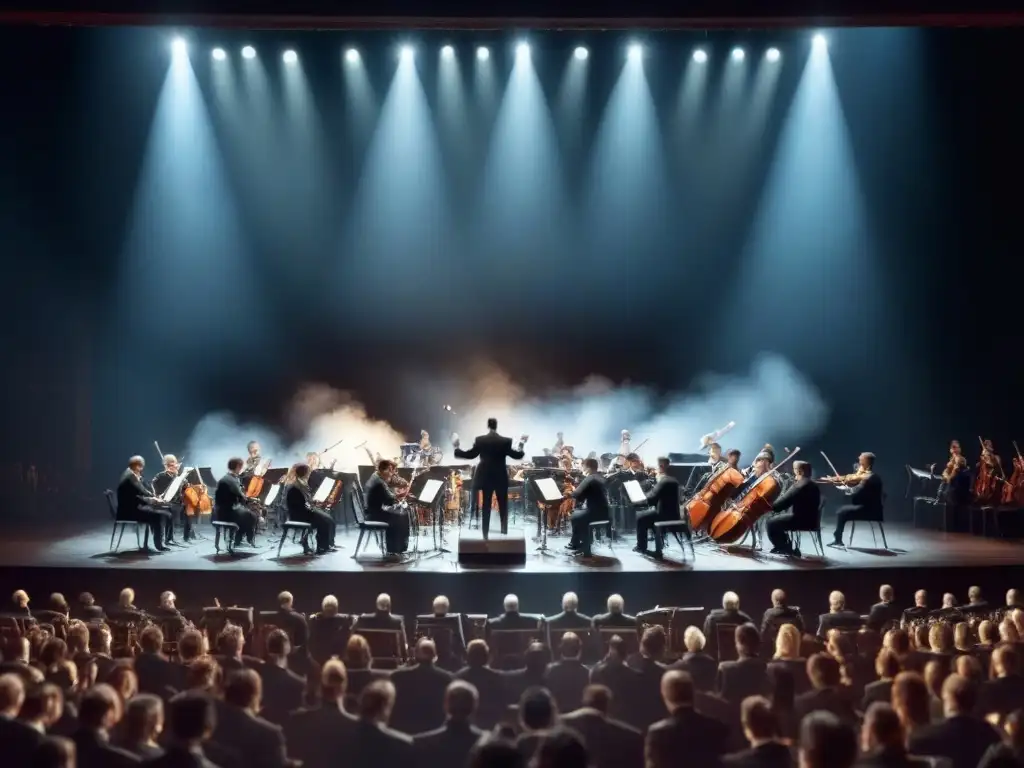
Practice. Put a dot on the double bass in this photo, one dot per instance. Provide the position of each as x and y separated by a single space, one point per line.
708 502
739 518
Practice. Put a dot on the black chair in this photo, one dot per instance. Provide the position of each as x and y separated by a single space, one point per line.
371 528
295 527
815 532
230 530
112 503
871 525
598 525
725 642
676 528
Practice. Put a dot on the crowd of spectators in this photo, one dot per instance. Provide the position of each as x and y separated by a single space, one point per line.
891 686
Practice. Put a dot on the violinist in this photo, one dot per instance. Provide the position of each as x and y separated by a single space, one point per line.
161 482
956 481
231 506
804 498
298 500
136 502
594 495
866 499
664 497
384 507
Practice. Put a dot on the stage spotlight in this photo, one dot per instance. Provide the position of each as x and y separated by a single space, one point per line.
290 57
248 52
523 51
407 53
738 54
483 54
636 52
581 53
700 56
820 41
179 47
772 54
448 52
352 56
219 54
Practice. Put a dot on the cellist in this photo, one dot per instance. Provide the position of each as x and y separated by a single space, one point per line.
989 474
866 499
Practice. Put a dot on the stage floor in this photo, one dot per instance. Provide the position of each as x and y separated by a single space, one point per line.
89 547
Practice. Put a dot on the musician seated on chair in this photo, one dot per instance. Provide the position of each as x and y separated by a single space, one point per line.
569 620
449 654
135 502
664 497
838 617
866 499
161 482
382 618
382 506
231 506
298 499
804 499
594 496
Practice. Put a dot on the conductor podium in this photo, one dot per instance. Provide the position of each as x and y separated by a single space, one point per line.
497 550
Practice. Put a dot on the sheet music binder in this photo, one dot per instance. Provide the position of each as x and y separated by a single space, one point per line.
429 491
272 494
549 490
324 490
206 474
635 492
172 489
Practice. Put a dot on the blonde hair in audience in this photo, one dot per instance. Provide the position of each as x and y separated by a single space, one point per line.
694 640
787 642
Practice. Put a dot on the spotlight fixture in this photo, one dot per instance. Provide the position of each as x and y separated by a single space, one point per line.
407 53
700 56
218 54
448 52
820 41
523 51
179 47
352 56
581 53
482 53
248 52
738 54
290 57
636 52
772 54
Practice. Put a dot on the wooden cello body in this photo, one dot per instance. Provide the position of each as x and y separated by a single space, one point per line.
197 497
736 521
721 487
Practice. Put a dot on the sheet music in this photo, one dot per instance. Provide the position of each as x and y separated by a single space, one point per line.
635 492
261 468
324 490
549 490
172 489
429 491
272 494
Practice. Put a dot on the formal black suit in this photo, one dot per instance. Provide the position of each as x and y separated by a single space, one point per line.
492 689
721 616
685 737
491 475
419 697
771 754
845 619
1001 694
283 693
159 676
19 741
448 745
834 700
93 750
259 743
611 743
664 497
742 678
161 482
178 757
134 503
230 506
382 507
804 499
702 668
566 679
890 758
624 682
882 614
961 739
297 501
594 495
314 735
371 745
865 504
879 690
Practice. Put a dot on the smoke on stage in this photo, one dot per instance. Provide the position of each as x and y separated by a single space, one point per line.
772 402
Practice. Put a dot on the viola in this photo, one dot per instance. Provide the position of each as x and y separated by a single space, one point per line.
708 502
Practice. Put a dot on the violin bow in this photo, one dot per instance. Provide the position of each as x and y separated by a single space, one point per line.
787 459
832 466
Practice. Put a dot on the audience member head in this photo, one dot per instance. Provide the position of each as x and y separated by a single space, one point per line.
536 658
969 667
123 680
652 643
243 688
570 646
477 653
919 637
758 719
616 605
12 695
921 599
20 599
598 697
329 605
496 752
731 601
383 602
1005 661
826 742
426 651
677 689
511 604
778 598
886 593
836 601
616 649
911 700
898 641
127 598
940 637
887 664
974 595
54 650
962 636
143 719
882 729
152 640
231 641
357 653
192 718
561 748
694 640
333 681
748 640
203 674
54 752
99 709
570 603
99 639
537 710
1013 598
278 645
935 673
43 704
958 696
441 605
285 600
78 639
460 701
1008 631
191 645
823 671
988 632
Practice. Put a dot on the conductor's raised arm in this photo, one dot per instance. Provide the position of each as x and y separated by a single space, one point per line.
472 453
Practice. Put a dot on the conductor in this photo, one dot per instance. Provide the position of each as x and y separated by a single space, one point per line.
491 476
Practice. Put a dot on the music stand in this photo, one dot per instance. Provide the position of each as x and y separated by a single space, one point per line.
551 494
634 492
385 645
545 462
428 497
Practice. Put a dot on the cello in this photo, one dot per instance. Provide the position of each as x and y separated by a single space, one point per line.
195 496
737 520
707 503
1013 491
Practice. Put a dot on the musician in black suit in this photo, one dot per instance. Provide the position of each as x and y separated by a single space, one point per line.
886 612
297 498
664 497
491 475
594 495
804 498
135 500
161 482
383 506
231 506
838 616
569 620
866 499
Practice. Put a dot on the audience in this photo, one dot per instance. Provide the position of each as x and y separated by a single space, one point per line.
685 731
729 613
882 740
826 742
420 691
702 667
612 743
567 677
761 729
962 738
747 675
450 744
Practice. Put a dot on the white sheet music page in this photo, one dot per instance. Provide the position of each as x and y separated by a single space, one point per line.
549 490
429 491
272 494
172 489
323 491
635 492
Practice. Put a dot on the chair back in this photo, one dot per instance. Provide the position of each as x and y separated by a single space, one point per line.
111 502
725 642
387 648
630 639
508 646
357 506
328 635
215 619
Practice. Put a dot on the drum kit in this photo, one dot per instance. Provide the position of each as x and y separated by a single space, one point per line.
413 456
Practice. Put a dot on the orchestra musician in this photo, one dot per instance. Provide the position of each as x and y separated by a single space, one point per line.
161 482
714 463
559 443
491 476
297 500
804 499
732 458
664 497
252 461
762 463
230 504
989 473
866 499
956 482
383 506
136 502
594 495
